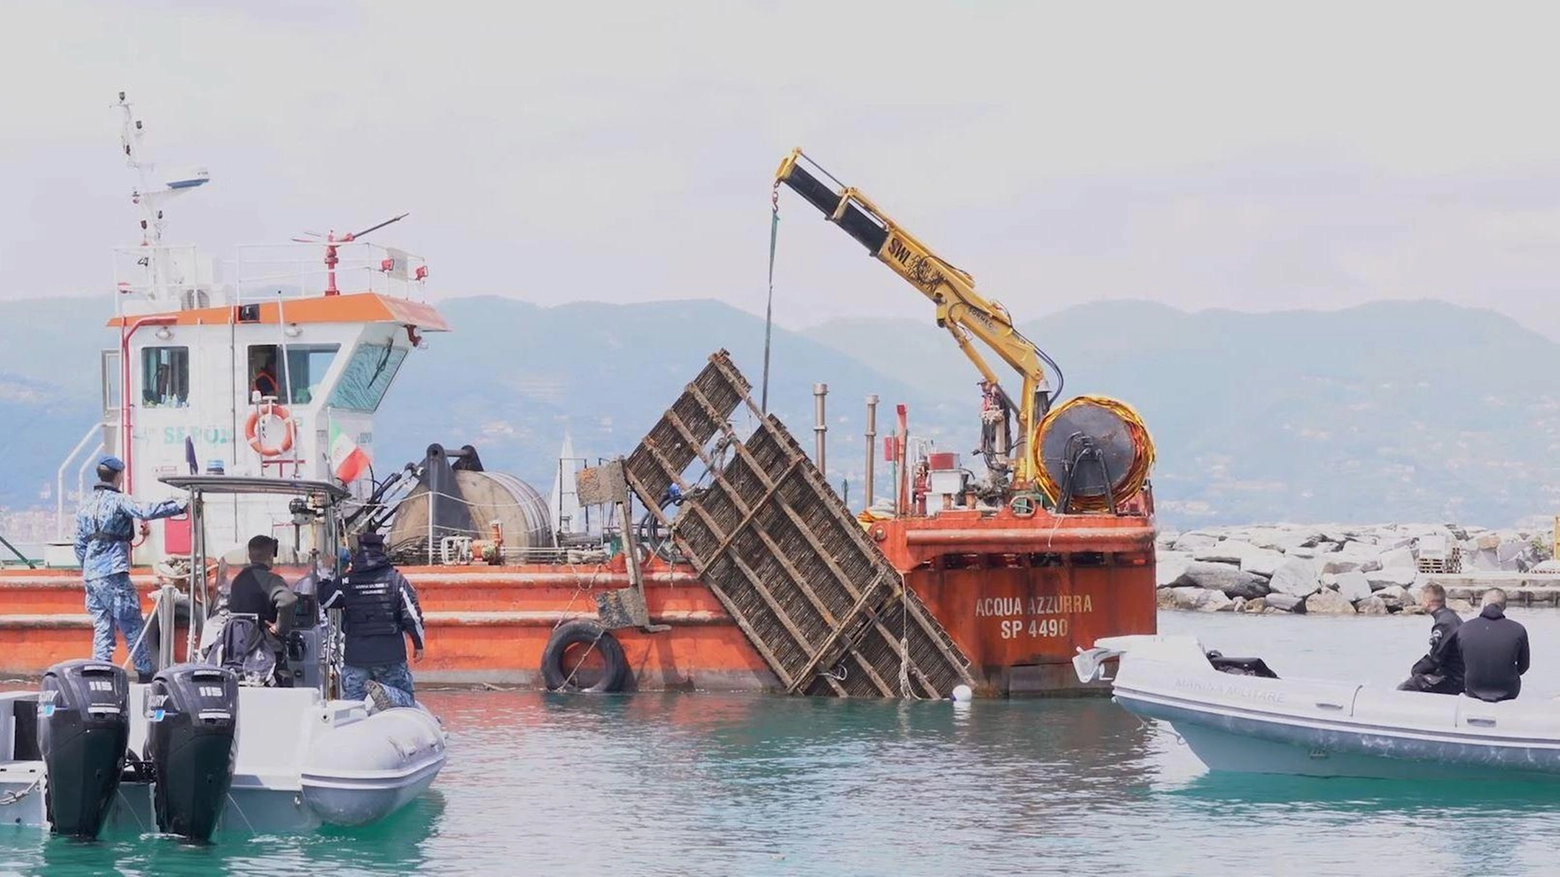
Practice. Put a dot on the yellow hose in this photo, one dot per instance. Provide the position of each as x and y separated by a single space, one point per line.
1129 485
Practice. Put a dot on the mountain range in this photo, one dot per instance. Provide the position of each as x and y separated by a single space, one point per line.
1413 410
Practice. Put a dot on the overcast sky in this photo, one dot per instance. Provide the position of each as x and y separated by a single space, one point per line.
1200 155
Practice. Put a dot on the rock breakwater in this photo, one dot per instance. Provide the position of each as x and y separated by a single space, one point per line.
1334 570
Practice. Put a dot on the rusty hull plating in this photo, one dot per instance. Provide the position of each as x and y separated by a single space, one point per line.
1020 595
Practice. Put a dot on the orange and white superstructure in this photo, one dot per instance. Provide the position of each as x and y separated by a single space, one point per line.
260 370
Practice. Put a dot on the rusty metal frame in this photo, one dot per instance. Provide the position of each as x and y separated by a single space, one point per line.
828 632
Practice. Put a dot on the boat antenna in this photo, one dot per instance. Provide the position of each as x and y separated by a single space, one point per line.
130 134
149 196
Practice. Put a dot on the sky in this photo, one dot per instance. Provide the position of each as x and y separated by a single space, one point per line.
1228 155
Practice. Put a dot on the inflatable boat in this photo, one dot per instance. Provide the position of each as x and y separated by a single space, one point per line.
1236 714
193 754
200 752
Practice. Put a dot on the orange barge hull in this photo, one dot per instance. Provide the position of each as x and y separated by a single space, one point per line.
1018 595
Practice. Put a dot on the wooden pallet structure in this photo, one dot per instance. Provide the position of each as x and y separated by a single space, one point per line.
1439 556
812 592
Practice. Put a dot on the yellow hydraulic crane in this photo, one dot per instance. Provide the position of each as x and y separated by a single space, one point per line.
965 313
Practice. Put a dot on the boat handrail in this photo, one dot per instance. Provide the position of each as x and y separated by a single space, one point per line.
165 277
59 477
297 270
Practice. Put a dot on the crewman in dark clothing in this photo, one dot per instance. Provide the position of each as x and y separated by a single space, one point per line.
379 610
265 379
1440 671
1494 651
258 591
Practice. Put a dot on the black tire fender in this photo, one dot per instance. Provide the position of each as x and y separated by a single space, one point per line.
587 631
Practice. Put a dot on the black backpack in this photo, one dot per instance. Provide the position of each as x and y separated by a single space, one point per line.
244 649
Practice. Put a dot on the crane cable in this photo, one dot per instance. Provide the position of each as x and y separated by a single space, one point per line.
769 304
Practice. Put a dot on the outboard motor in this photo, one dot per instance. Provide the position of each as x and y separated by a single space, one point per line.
83 731
192 721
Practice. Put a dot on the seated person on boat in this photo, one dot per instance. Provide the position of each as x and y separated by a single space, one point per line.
1440 671
1494 651
261 593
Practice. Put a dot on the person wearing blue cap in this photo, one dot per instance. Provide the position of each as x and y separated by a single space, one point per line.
105 527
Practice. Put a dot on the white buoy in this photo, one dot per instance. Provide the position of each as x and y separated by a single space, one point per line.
962 694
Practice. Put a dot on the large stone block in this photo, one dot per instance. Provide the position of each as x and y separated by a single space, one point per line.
1353 586
1328 603
1225 578
1261 562
1397 558
1371 606
1169 566
1285 602
1228 551
1297 577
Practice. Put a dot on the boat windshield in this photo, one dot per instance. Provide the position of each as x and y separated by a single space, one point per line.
367 376
305 371
165 377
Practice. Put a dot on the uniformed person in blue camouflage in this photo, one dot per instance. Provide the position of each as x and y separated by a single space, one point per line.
105 527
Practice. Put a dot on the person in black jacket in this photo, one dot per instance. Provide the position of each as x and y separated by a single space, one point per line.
379 610
1440 671
1494 651
258 591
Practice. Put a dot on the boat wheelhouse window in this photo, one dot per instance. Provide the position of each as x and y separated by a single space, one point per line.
367 376
165 377
305 370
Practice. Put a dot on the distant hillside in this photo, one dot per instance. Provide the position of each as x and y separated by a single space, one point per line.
41 424
49 389
1390 411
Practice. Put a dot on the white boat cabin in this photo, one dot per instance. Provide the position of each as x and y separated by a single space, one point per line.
274 373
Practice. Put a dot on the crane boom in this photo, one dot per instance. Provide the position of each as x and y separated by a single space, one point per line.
965 313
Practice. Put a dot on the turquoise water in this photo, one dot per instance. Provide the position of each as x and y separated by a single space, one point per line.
706 784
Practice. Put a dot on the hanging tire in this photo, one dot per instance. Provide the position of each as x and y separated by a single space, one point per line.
563 658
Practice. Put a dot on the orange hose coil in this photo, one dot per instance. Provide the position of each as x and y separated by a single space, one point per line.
1137 474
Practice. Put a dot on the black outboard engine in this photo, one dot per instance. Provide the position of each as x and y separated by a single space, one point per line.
83 730
192 722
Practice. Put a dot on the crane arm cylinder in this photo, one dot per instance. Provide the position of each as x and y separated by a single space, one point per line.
853 219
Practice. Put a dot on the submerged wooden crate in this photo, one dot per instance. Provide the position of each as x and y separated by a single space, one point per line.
815 596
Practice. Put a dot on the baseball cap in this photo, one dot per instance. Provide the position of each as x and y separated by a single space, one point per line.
112 462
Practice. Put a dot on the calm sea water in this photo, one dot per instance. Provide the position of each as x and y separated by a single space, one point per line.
707 784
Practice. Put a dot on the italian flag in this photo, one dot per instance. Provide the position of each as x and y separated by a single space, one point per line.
347 460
